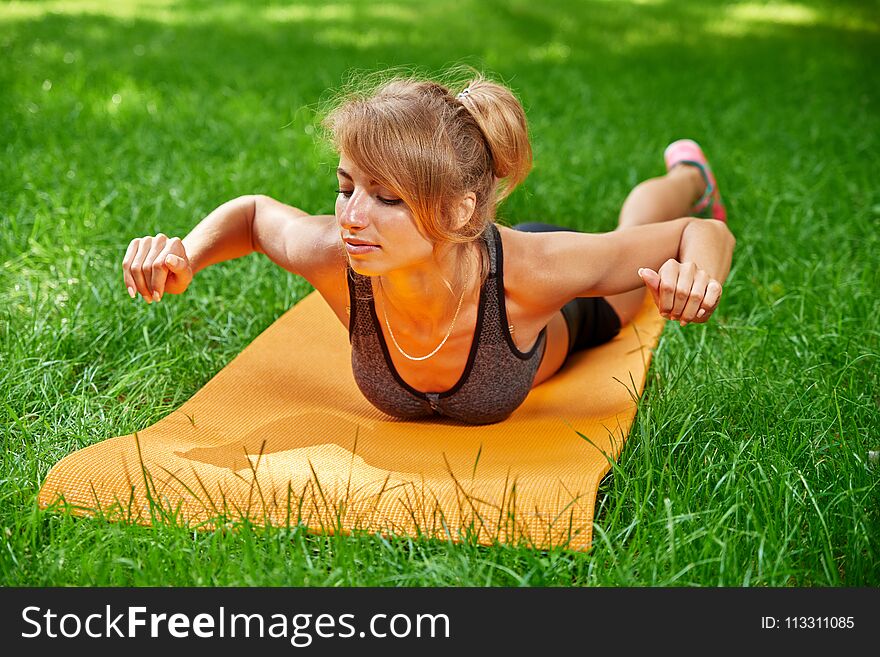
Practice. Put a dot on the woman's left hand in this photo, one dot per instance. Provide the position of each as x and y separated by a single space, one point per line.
682 291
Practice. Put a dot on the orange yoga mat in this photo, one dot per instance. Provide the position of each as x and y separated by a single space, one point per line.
283 435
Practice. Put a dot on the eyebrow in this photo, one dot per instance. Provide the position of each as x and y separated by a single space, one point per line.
342 172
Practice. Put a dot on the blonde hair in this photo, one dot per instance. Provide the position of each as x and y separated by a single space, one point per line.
431 143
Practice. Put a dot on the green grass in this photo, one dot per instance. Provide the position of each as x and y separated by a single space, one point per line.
748 460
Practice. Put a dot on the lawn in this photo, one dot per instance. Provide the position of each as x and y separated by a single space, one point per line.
752 459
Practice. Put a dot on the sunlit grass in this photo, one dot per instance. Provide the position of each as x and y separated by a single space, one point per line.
174 12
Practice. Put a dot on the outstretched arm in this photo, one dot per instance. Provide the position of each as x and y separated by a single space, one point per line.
666 257
293 239
225 234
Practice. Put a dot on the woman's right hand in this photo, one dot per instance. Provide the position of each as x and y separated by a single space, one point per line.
155 265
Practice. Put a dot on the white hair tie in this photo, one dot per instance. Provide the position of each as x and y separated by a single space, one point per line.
464 93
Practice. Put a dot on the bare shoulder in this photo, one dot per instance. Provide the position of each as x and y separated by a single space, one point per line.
531 281
304 244
519 249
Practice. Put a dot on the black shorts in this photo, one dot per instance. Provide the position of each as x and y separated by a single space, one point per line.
591 320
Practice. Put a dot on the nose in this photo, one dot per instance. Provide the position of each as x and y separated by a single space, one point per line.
352 212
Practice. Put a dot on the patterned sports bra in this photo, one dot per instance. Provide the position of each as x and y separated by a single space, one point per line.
496 378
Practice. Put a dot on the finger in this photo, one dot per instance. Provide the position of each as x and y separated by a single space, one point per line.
698 291
668 284
176 264
157 270
686 273
126 267
710 302
159 276
175 269
181 270
713 295
137 267
651 279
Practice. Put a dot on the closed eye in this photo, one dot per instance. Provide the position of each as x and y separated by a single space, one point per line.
387 201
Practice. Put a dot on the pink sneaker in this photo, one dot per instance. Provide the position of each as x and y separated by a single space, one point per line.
687 151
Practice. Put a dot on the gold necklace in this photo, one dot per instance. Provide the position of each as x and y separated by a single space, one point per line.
454 317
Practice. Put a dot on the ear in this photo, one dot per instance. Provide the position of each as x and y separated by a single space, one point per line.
465 209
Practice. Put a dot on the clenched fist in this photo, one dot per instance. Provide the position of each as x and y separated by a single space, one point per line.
155 265
682 291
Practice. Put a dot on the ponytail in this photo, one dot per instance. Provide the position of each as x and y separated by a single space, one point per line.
502 121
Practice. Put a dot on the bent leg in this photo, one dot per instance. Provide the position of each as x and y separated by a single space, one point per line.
660 199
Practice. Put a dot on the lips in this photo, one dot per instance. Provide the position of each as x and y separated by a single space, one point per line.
359 247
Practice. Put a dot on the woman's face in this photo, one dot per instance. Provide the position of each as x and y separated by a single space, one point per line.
368 212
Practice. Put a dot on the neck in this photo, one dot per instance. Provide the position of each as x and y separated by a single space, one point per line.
418 297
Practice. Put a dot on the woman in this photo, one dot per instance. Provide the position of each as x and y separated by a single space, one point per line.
447 311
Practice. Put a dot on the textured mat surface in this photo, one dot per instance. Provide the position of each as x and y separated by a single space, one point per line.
283 435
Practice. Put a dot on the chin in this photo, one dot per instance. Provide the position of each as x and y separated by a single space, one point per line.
363 268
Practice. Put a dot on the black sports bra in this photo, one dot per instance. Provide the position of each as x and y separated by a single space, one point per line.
495 381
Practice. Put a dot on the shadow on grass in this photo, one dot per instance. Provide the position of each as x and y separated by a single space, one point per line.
141 94
231 61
